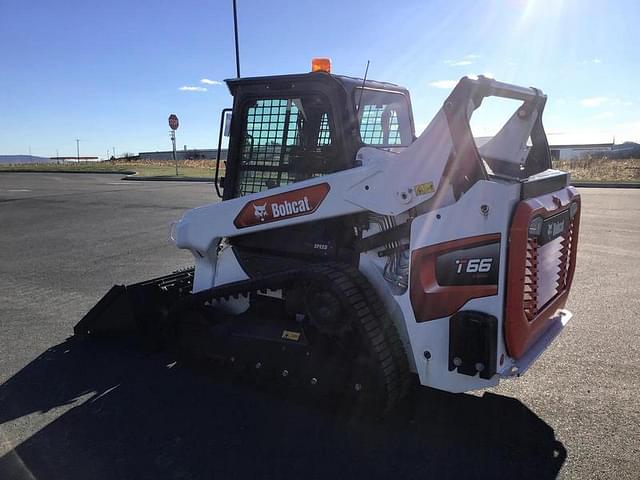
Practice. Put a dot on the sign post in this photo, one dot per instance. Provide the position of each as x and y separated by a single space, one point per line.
174 124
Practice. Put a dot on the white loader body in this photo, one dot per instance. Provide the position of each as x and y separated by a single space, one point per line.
412 185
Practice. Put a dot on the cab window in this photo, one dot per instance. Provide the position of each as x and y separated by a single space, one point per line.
284 140
384 118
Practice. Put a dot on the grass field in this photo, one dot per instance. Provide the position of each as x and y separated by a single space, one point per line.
602 169
592 170
143 168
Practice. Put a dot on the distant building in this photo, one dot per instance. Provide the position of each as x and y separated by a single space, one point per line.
577 151
561 151
626 150
192 154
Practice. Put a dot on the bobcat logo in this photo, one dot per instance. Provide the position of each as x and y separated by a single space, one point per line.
282 206
554 229
260 211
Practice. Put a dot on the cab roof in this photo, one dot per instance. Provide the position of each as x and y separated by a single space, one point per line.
348 83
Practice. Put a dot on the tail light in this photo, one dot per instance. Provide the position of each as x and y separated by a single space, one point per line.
541 262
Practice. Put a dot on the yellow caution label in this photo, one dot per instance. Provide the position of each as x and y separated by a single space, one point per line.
423 188
289 335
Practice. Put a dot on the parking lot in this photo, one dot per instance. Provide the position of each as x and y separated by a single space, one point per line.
101 410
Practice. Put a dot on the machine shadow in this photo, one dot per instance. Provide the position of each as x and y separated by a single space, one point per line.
141 416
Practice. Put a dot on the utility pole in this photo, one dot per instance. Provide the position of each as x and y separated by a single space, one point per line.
57 156
114 152
78 149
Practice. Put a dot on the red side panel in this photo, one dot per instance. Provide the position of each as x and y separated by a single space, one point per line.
429 299
538 276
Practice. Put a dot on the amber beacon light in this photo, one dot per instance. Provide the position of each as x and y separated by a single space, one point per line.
321 64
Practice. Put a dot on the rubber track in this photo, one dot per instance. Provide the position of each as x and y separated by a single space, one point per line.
355 291
403 373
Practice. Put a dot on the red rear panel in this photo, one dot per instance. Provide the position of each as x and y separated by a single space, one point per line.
433 297
540 265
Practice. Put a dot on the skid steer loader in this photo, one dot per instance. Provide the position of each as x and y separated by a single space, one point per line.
347 254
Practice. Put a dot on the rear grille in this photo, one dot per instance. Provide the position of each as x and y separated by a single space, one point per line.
530 300
541 262
546 272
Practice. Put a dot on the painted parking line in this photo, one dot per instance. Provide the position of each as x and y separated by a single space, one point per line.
14 190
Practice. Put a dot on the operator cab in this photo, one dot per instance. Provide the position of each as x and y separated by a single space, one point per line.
290 128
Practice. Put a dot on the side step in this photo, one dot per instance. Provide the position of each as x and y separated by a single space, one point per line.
131 309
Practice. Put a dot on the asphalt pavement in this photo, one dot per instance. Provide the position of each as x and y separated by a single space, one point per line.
105 410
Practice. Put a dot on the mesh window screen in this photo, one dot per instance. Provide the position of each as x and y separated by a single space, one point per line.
272 126
277 133
384 119
324 134
371 126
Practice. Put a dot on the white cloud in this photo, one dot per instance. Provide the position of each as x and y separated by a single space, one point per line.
602 115
592 102
189 88
448 84
596 60
601 101
206 81
461 63
466 60
618 101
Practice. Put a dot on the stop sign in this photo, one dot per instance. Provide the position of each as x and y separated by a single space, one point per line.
173 121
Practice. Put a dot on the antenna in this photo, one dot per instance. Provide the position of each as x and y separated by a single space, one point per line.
366 71
235 31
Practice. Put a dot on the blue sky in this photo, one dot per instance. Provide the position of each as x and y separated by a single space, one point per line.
110 72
